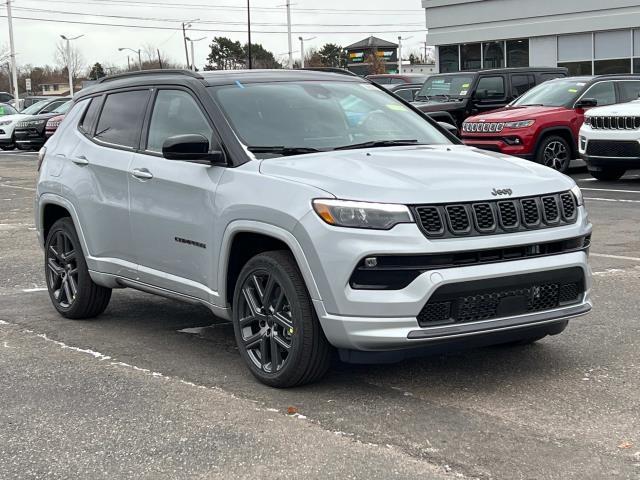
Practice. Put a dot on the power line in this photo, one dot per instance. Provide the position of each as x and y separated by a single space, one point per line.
156 27
214 22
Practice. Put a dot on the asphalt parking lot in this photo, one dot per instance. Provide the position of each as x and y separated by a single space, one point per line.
156 389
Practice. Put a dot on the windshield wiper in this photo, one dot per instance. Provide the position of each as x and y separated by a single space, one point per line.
377 143
281 150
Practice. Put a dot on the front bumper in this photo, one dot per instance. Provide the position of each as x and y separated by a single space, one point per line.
498 144
382 320
613 159
31 137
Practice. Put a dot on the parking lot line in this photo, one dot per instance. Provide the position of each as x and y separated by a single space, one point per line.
615 257
621 200
609 190
18 187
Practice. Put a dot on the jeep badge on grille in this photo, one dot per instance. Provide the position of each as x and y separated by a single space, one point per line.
504 191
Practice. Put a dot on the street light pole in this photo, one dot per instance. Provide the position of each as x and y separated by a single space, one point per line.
186 25
193 58
139 52
302 40
289 33
69 70
400 53
12 51
250 59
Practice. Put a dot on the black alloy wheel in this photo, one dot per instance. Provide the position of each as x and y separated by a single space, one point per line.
277 331
71 289
555 152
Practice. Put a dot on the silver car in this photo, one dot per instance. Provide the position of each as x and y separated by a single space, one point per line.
316 211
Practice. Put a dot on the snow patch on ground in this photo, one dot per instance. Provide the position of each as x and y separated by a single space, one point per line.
94 354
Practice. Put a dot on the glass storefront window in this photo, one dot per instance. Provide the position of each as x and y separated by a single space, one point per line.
636 65
518 53
608 67
577 68
493 53
448 56
470 56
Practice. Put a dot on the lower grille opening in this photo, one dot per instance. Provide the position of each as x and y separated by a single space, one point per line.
503 297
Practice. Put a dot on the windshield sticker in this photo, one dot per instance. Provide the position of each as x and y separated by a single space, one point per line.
573 90
396 107
463 92
581 84
465 85
240 85
438 80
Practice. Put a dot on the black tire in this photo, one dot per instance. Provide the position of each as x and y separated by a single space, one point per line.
66 271
608 175
554 152
22 147
281 315
6 147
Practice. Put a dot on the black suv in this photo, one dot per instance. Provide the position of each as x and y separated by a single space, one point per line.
456 96
30 133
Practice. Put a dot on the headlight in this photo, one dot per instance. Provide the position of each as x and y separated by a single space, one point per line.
578 194
519 124
377 216
6 122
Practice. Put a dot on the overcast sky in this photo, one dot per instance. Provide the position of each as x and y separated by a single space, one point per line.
36 40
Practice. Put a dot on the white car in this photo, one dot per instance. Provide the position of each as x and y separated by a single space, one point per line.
610 140
8 122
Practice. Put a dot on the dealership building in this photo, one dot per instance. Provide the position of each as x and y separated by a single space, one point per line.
586 36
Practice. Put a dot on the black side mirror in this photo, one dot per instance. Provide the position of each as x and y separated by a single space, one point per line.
586 103
191 148
452 129
481 94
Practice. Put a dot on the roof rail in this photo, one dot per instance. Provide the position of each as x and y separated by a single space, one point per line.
140 73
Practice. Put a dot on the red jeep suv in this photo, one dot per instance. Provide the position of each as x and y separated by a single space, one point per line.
543 124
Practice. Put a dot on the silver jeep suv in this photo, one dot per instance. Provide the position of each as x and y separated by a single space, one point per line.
316 211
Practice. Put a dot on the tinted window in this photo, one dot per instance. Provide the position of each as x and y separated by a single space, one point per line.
406 94
577 68
396 81
609 67
493 54
90 115
448 85
175 113
52 106
629 91
518 53
470 56
35 108
121 118
550 76
448 56
521 83
490 88
603 92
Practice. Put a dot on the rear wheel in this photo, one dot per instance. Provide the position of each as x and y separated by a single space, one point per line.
276 328
554 152
73 293
608 174
6 147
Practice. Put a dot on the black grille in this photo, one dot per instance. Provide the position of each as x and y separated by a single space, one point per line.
497 216
611 148
508 214
531 212
613 123
484 218
431 220
550 209
458 219
568 205
509 296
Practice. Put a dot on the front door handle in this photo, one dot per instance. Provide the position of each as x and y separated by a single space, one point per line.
142 173
80 160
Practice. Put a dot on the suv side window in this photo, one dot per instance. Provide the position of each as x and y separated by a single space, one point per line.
396 81
121 118
407 94
52 106
521 84
629 91
90 115
175 113
603 92
490 88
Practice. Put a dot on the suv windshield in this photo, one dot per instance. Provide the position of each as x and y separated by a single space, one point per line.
554 93
35 108
64 108
6 109
289 118
445 86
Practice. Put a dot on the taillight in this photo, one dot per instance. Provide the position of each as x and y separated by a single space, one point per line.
41 154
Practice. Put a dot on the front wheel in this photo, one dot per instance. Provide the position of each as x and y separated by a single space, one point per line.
73 293
608 175
276 327
554 152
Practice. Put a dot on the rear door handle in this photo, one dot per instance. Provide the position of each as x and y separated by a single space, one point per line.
80 160
142 173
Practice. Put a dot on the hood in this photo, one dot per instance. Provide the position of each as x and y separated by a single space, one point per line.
414 175
620 109
13 118
515 113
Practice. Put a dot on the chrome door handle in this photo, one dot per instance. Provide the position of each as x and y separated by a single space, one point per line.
80 160
142 173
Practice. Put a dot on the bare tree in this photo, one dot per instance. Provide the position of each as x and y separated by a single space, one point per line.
376 63
77 62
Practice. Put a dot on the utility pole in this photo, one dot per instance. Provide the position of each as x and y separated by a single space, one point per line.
400 55
12 51
250 59
128 63
289 33
159 58
184 38
302 40
139 59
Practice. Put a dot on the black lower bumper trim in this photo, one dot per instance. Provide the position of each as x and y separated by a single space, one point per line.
602 163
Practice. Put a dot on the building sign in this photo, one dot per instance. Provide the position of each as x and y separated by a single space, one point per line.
27 84
356 57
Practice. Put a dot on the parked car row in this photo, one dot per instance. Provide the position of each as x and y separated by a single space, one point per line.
28 129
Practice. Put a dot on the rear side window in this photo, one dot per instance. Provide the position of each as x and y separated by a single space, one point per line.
629 91
490 88
521 83
406 94
175 113
90 115
121 118
52 106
